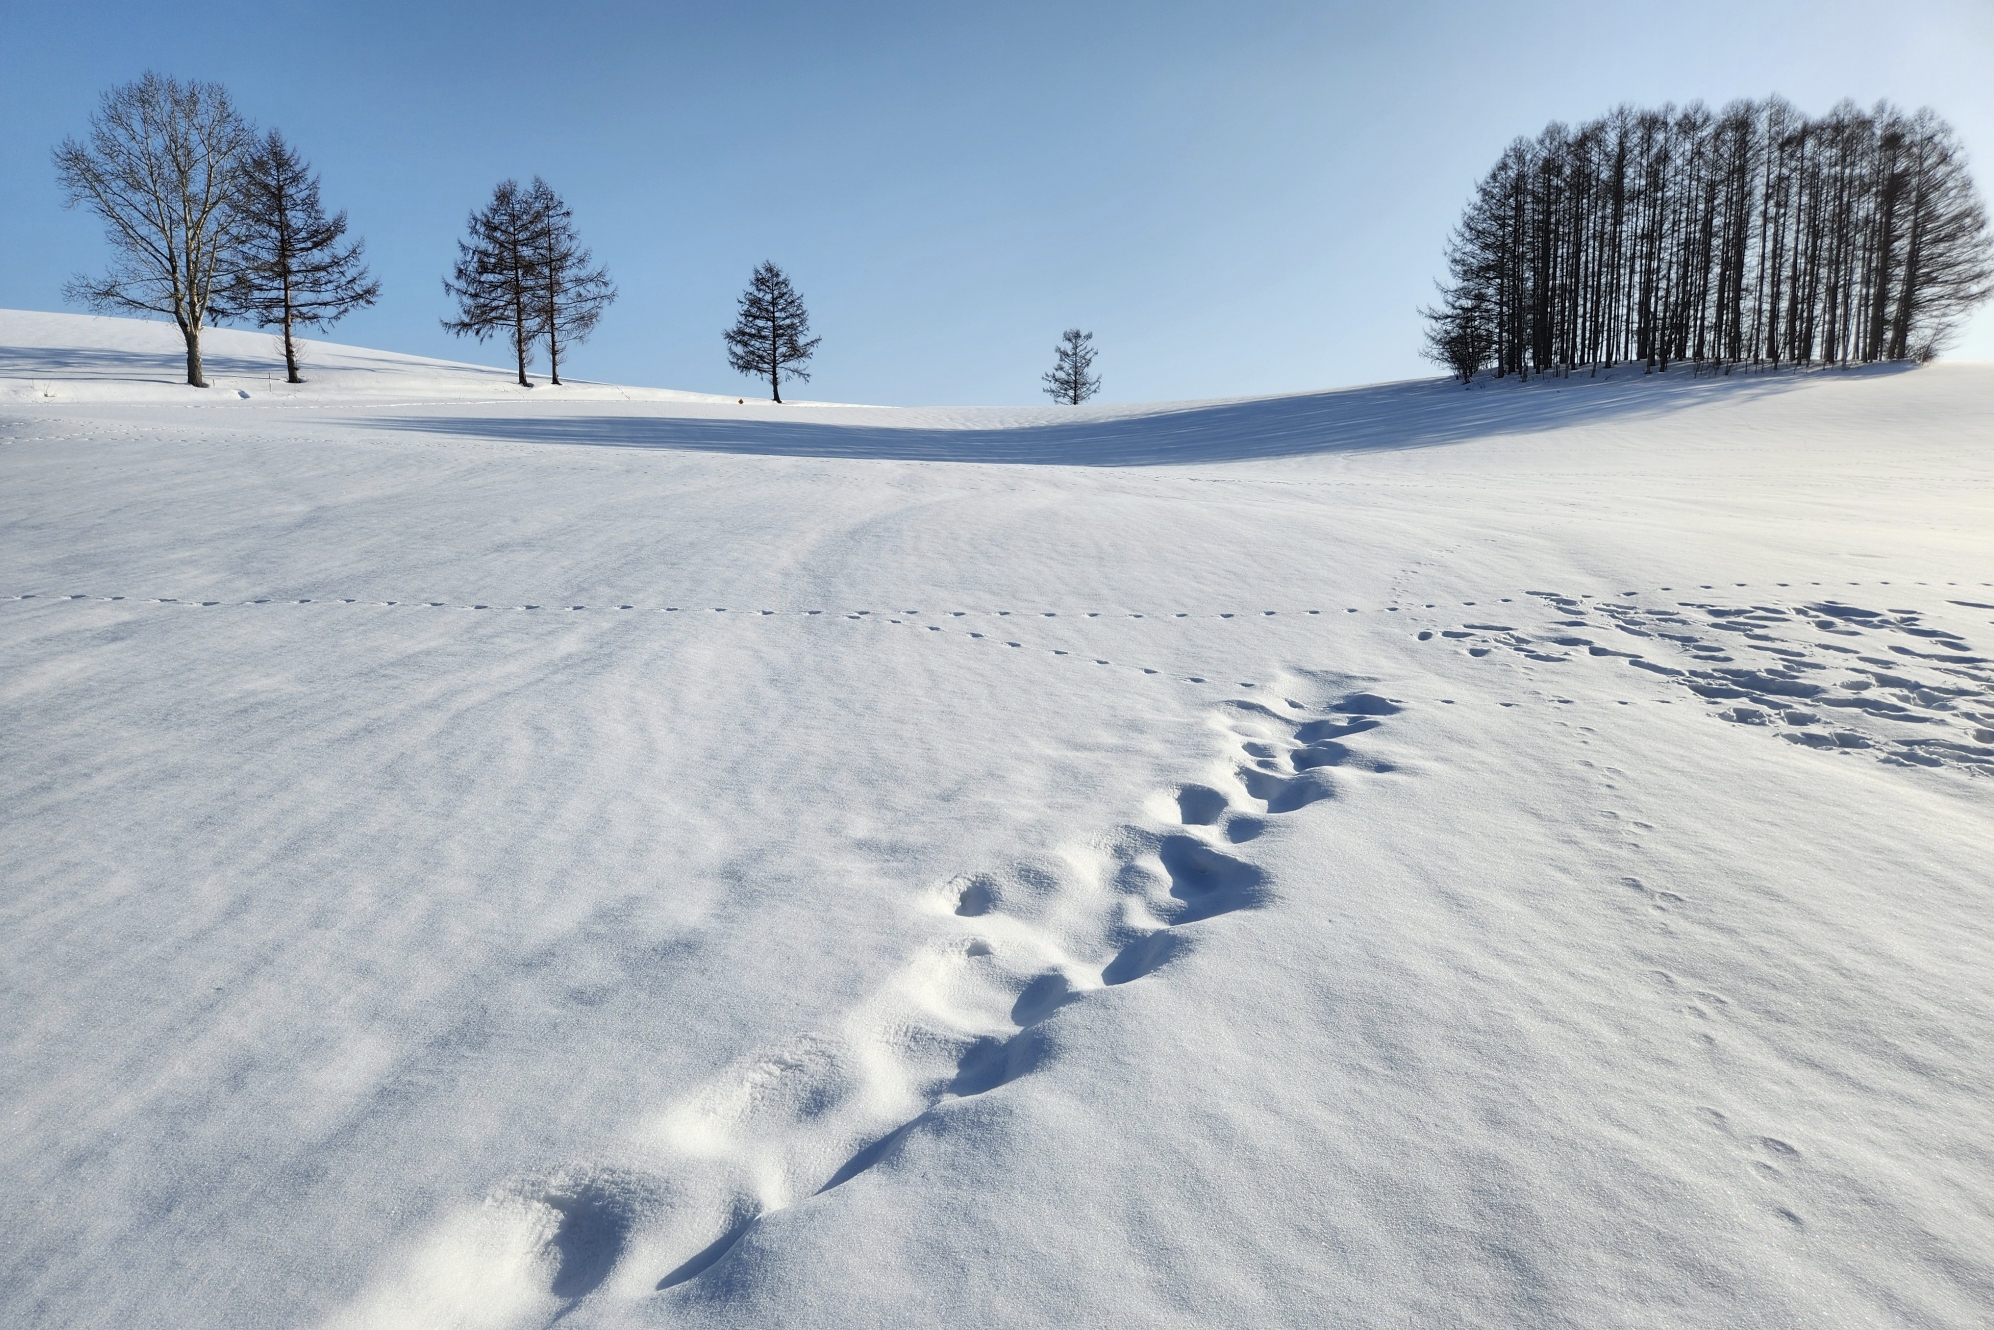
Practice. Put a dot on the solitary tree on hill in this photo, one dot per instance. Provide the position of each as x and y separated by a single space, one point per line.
1068 381
293 266
496 281
162 169
767 340
571 294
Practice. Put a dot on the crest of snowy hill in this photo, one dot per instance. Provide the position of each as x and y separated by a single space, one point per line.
72 359
94 358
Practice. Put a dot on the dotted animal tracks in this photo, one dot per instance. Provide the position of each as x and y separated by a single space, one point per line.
994 627
1820 671
1002 633
742 611
977 1008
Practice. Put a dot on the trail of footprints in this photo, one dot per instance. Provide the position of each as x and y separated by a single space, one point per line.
972 1012
1821 673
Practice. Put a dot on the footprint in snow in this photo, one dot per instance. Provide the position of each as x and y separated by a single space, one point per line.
964 1018
1822 674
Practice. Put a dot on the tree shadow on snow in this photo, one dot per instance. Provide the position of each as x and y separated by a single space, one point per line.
1382 417
106 363
99 364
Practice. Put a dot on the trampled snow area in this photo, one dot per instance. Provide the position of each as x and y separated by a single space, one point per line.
1387 857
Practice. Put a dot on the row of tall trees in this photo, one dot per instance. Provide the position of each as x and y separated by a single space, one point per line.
1751 235
208 219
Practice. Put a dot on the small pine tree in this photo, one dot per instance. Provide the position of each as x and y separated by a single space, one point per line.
572 295
1068 380
1459 335
496 280
767 339
292 267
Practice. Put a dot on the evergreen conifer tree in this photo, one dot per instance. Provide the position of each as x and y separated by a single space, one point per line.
496 281
293 266
767 340
571 294
1459 334
1068 380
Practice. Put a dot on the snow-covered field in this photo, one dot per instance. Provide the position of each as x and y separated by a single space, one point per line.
1387 857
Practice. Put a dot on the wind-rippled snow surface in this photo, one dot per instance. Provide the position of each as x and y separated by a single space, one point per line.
478 857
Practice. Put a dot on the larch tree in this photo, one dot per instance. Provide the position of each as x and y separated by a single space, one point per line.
770 337
1068 381
496 282
1948 263
1458 335
162 169
294 267
571 292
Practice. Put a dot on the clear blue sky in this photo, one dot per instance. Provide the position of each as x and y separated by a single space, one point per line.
1235 198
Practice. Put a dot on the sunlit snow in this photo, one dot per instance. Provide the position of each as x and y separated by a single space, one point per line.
1400 855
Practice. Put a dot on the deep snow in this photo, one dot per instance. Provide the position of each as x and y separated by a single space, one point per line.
1395 856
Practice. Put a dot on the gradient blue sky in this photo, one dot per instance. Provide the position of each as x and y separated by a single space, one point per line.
1237 198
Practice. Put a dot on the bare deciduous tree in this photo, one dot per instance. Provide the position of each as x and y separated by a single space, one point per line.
571 294
1068 381
293 266
768 339
495 281
162 169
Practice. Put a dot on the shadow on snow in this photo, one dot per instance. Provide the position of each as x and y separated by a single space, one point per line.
1384 417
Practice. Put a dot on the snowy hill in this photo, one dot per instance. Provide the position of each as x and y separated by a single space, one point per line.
1387 856
89 358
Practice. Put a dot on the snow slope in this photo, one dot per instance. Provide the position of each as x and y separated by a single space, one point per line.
1395 856
51 358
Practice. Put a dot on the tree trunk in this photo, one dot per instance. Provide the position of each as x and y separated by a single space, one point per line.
290 350
194 376
553 335
775 367
291 374
518 276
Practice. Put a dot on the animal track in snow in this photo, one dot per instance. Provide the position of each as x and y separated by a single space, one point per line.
1674 631
975 1009
1822 673
1237 616
906 618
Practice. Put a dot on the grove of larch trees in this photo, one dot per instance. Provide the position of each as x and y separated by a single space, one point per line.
1753 235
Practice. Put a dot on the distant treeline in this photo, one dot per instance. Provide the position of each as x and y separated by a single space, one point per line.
1751 235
